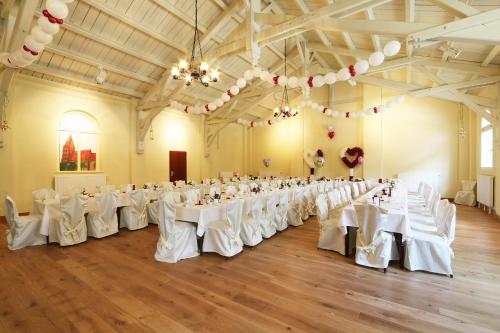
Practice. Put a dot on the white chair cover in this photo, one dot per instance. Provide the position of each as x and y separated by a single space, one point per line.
231 190
190 196
70 228
466 196
134 217
374 247
44 193
294 214
281 211
432 252
180 183
331 232
169 186
268 223
126 188
104 221
355 189
223 237
23 230
251 231
177 239
362 187
244 188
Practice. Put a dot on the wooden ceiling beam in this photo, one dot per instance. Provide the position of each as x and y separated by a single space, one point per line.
460 85
457 7
22 25
493 53
388 28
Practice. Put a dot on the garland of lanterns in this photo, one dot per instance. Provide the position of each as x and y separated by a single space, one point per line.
42 34
368 112
261 123
376 59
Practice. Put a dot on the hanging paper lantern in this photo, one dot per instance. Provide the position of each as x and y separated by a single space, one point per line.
400 99
248 75
381 108
335 114
234 90
376 58
352 114
30 45
343 74
263 75
392 48
330 78
219 102
391 104
40 36
361 66
257 71
225 97
318 81
211 106
46 26
241 83
293 82
57 9
282 80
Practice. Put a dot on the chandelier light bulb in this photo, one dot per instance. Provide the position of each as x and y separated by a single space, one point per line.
276 111
204 67
183 65
215 75
287 108
175 72
188 80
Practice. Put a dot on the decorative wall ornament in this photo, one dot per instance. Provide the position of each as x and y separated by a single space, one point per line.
331 131
352 157
314 159
42 34
267 162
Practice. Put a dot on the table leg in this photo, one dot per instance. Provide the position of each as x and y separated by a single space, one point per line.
200 244
401 249
347 247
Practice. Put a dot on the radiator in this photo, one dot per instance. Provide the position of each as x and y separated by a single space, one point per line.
485 190
71 184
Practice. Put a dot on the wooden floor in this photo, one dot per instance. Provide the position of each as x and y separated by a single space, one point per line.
284 284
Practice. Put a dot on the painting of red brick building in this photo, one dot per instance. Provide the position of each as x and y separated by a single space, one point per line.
69 157
87 160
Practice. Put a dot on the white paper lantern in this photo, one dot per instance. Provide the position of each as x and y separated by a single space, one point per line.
57 8
376 58
33 45
211 106
293 82
328 112
318 81
282 80
392 48
361 66
303 81
257 71
343 74
241 83
391 104
335 114
40 36
234 90
46 26
400 99
219 102
248 75
263 75
314 105
225 97
330 78
381 108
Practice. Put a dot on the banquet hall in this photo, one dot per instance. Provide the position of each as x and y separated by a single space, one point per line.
249 165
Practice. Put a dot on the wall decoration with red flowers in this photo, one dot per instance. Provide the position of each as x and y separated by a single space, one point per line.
352 157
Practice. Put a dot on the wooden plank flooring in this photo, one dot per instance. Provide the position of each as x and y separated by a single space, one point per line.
284 284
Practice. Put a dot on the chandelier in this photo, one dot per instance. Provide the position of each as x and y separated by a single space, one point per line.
195 71
285 111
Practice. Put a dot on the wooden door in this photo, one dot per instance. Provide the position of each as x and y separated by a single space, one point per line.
178 165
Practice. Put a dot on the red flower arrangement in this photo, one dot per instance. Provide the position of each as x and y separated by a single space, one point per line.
353 156
319 152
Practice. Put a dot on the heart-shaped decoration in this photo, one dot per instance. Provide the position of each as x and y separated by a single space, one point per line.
331 134
352 156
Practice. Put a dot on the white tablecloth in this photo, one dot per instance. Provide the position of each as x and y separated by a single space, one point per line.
396 208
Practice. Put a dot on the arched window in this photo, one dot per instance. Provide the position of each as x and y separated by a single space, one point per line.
78 142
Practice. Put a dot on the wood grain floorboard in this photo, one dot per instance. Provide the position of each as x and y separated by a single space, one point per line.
285 284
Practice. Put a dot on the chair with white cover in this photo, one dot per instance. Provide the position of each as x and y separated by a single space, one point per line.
374 247
466 196
348 192
362 187
177 239
169 186
190 196
310 205
126 188
427 223
153 207
23 230
180 183
282 211
355 189
432 252
244 188
331 233
223 237
231 190
251 231
268 223
44 193
104 221
294 213
70 227
343 195
135 217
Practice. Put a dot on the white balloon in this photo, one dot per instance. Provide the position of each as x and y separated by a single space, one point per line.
211 106
241 83
46 26
263 75
330 78
328 112
303 81
352 114
335 114
219 102
400 99
361 66
282 80
40 36
225 97
343 74
57 8
248 75
257 71
392 48
376 58
234 90
381 108
391 104
318 81
27 56
270 77
293 82
32 44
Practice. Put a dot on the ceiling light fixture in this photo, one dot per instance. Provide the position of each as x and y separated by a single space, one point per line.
285 111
